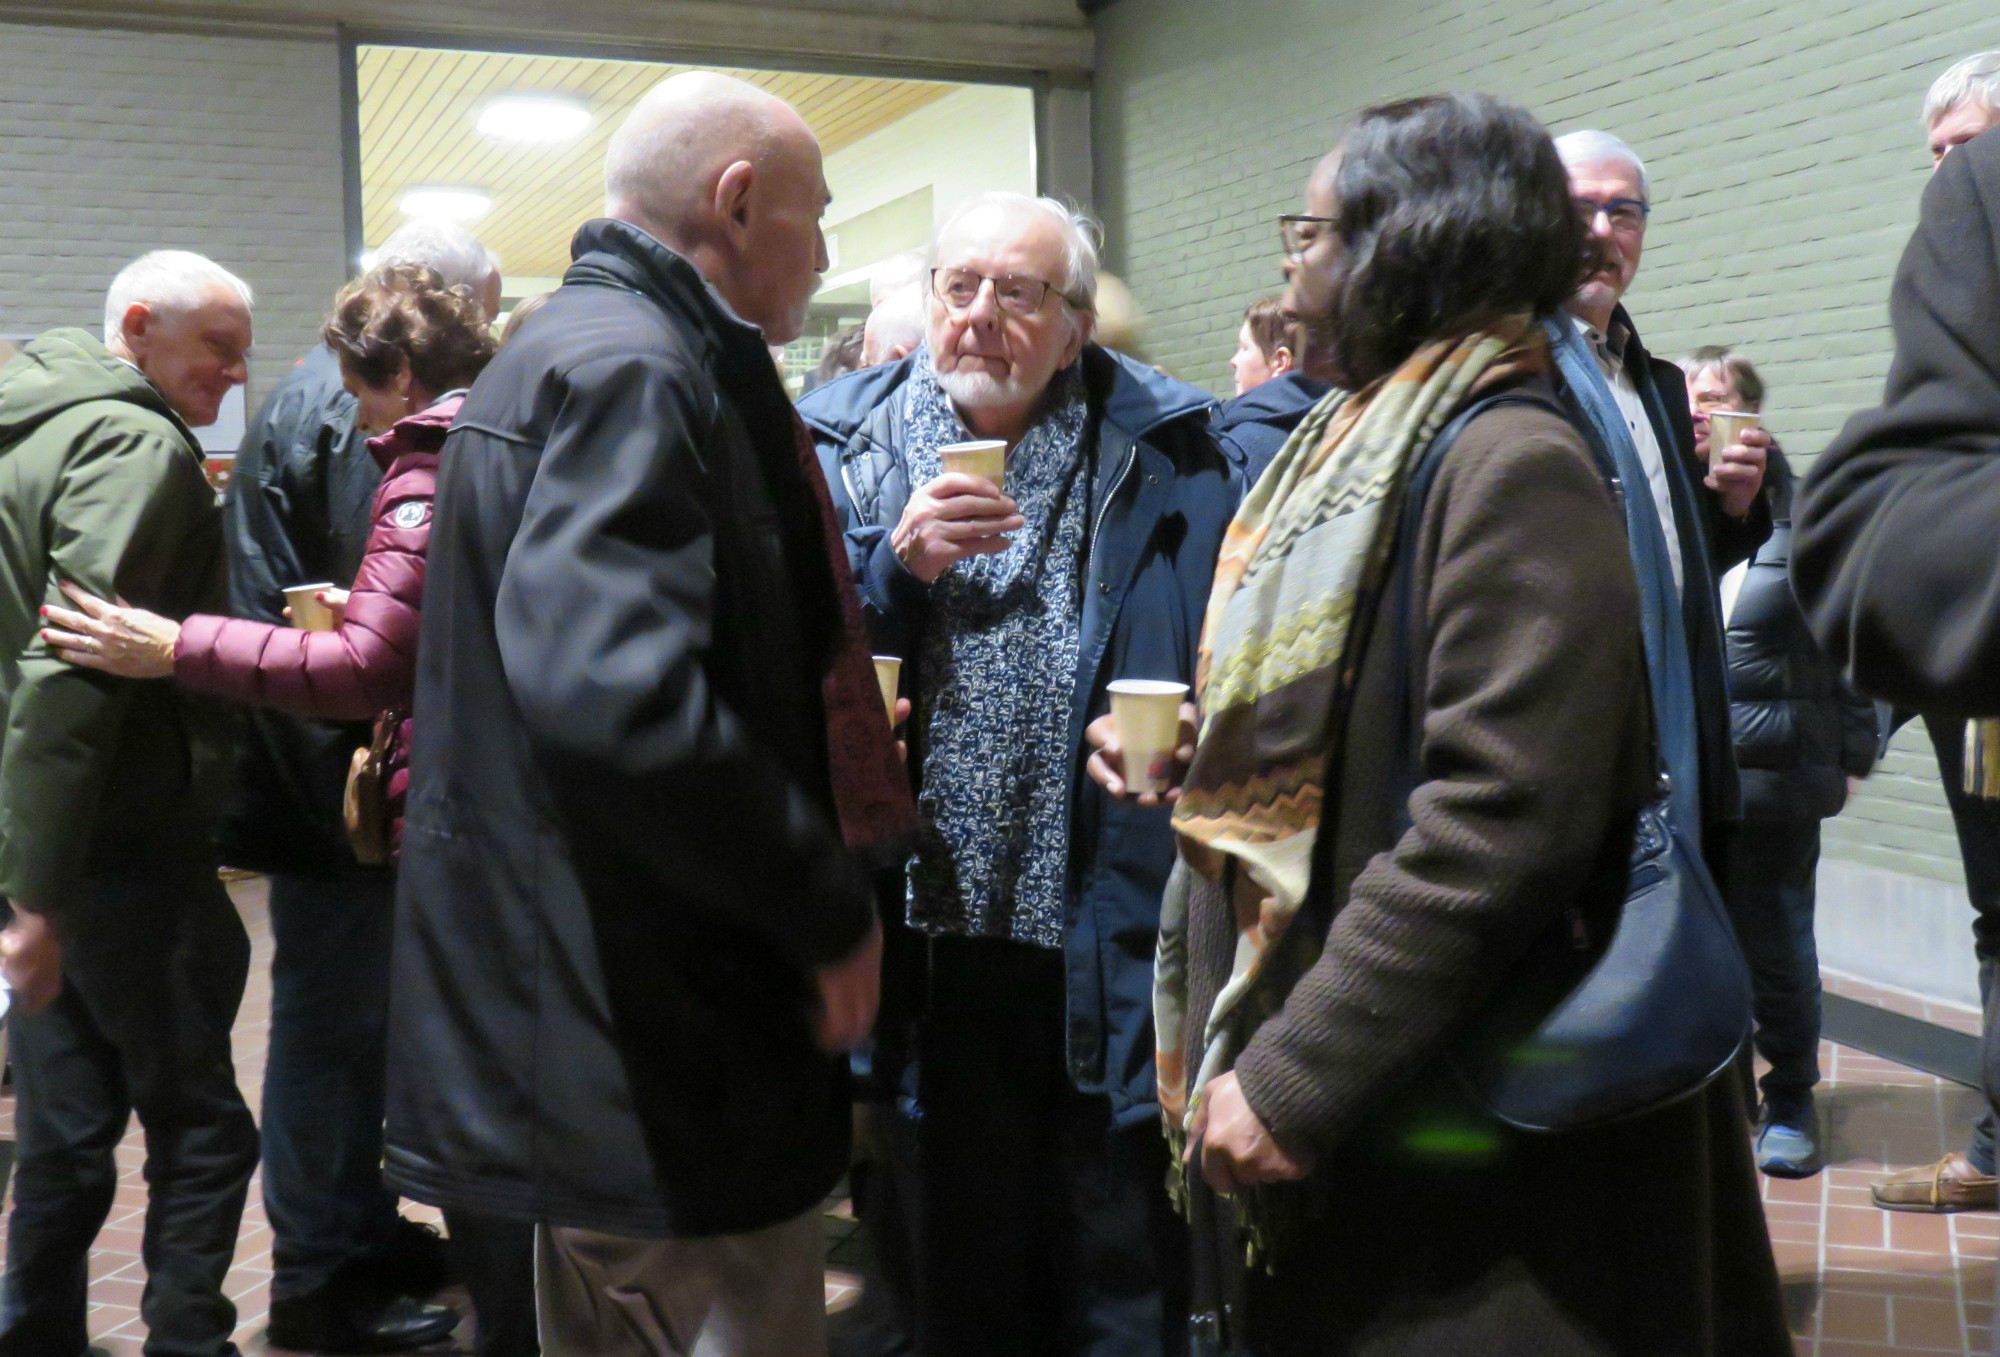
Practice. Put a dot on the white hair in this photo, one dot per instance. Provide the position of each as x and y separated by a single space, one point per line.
904 269
896 322
167 280
1081 234
1590 147
445 246
1975 78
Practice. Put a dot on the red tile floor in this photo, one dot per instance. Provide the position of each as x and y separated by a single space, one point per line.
1858 1280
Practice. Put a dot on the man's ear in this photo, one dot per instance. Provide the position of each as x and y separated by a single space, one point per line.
1281 361
732 196
1086 325
136 326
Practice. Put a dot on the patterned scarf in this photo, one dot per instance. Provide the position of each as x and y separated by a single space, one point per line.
1276 666
994 686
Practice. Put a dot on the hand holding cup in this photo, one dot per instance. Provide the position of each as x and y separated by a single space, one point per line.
1738 450
1141 751
961 513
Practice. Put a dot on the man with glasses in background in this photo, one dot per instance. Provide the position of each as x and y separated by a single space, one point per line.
1043 1222
1688 522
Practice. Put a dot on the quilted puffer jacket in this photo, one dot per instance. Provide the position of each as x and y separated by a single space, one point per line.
1799 731
368 665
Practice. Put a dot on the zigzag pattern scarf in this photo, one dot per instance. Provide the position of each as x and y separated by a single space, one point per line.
1275 671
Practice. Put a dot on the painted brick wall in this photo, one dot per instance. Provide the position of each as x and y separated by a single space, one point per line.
113 143
1785 152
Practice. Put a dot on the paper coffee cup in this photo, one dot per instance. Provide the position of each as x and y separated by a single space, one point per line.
987 457
888 673
1727 426
308 613
1148 713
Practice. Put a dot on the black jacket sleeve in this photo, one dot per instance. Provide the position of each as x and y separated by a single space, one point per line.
604 616
1896 557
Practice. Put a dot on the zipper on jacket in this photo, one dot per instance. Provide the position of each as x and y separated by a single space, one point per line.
847 479
1124 470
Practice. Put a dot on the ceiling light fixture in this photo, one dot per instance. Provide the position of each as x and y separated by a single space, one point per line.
534 117
453 204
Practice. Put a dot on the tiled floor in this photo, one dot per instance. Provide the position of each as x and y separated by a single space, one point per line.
1858 1280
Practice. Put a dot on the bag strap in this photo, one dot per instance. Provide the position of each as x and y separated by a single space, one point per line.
1408 666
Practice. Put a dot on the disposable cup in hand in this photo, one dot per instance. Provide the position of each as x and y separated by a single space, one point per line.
1727 426
308 613
888 673
1148 714
987 457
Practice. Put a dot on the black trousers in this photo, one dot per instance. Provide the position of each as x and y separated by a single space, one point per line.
153 968
496 1259
1043 1228
1978 824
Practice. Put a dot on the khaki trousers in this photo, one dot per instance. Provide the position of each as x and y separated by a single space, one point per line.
760 1294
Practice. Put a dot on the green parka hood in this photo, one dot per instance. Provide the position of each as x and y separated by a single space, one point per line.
68 367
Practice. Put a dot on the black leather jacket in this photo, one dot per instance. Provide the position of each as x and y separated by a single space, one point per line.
621 865
298 510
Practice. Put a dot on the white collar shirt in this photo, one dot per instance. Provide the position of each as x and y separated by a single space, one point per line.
1610 361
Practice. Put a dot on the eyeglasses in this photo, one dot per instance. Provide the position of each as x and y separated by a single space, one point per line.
1625 214
1298 232
959 289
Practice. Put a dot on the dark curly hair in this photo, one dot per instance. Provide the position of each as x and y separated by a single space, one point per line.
1450 211
404 313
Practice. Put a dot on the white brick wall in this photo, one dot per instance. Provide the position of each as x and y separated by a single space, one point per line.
1784 145
113 143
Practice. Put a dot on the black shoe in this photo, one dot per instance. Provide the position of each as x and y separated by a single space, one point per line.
414 1262
341 1319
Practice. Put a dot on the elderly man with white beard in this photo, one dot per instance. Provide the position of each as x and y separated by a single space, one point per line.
1043 1221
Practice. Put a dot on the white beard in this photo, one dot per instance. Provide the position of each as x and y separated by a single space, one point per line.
982 390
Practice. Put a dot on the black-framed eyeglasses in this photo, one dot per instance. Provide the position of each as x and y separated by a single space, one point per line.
959 289
1297 232
1625 214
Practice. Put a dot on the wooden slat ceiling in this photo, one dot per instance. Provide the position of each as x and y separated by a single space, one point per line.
419 106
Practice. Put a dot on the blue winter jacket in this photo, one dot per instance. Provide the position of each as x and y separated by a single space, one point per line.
1163 493
1253 427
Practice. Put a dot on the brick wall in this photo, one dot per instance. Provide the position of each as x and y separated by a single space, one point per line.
1785 152
114 143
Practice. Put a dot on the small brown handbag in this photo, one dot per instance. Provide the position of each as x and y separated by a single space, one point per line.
365 803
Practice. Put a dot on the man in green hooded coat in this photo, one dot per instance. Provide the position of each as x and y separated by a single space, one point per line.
126 957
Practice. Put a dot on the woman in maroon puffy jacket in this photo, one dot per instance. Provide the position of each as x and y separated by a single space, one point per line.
408 347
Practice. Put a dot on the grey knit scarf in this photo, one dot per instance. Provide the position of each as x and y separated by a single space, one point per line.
994 686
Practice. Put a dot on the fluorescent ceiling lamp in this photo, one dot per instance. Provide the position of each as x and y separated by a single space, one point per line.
534 117
453 204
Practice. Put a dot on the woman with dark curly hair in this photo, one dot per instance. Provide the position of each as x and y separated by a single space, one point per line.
1424 744
408 347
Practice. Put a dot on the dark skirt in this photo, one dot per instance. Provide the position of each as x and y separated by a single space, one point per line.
1454 1236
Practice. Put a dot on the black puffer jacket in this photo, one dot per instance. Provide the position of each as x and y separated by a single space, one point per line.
1799 731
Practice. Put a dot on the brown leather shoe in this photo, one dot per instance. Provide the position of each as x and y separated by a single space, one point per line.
1951 1184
